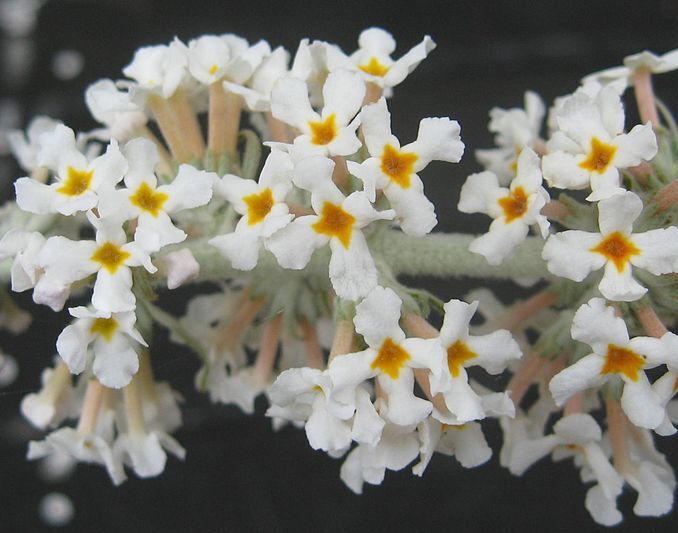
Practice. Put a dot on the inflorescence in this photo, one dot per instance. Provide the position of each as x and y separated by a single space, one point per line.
304 253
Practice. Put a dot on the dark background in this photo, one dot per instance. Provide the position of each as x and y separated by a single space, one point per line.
239 475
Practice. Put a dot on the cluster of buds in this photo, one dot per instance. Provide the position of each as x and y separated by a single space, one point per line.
306 251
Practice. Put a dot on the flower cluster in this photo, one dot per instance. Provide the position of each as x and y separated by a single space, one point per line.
307 248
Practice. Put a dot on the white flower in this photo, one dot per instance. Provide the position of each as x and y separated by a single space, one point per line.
373 58
88 448
589 148
152 205
465 441
145 452
644 60
330 132
115 109
390 357
159 69
257 92
180 267
262 206
515 129
397 448
27 271
113 339
77 179
614 354
574 254
224 57
492 352
514 209
393 169
53 402
338 222
110 257
25 147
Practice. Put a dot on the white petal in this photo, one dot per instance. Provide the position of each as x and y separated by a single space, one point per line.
500 241
620 286
562 170
377 317
240 247
568 254
640 144
376 127
474 194
415 212
437 140
641 404
294 244
113 292
343 95
596 324
470 447
619 212
191 188
33 196
352 270
115 362
407 63
658 250
290 104
72 345
602 509
582 375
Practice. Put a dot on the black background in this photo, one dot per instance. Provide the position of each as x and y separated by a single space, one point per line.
239 475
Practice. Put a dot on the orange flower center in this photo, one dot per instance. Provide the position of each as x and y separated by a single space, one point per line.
76 182
622 361
457 354
374 67
616 248
105 327
335 222
110 256
148 199
398 165
323 131
514 205
258 206
390 359
599 157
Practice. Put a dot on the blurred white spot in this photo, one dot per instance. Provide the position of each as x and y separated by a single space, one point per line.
56 467
56 509
19 17
67 64
8 370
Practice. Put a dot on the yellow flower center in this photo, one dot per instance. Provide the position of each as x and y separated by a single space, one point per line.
622 361
374 67
213 69
335 222
457 354
110 256
616 248
390 359
76 182
148 199
323 131
514 205
398 165
599 157
105 327
258 206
